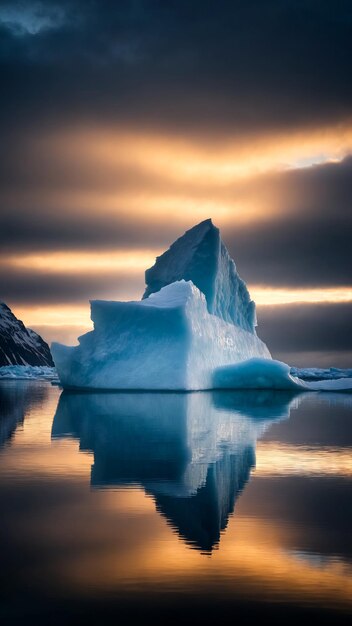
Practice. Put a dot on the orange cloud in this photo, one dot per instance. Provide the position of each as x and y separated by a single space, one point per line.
200 159
152 176
132 260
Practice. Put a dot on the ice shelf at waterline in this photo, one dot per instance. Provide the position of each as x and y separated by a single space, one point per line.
195 316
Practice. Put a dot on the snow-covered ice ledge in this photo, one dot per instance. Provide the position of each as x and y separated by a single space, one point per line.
28 372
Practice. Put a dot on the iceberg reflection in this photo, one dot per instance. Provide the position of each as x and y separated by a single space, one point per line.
192 452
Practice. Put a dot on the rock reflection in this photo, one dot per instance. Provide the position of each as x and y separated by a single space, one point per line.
192 452
16 399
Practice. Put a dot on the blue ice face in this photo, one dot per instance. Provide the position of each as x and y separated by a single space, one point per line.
202 257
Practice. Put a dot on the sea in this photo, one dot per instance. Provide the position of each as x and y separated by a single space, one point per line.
187 508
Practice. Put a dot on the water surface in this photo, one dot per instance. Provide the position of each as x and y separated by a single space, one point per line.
186 507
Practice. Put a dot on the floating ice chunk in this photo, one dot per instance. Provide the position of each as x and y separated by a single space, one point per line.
260 373
316 373
201 256
167 341
255 374
26 372
337 384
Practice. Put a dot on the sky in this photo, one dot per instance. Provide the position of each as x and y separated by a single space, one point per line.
123 123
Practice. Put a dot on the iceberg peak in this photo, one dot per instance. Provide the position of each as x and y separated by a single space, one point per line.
201 256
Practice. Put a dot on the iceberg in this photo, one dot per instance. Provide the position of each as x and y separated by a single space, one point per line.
194 329
196 315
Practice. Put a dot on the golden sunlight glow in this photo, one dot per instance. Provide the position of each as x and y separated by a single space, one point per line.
277 459
161 179
142 178
266 296
151 206
218 161
77 262
250 550
54 315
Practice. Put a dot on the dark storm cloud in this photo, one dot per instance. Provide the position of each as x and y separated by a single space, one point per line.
56 230
309 243
299 327
244 65
25 287
295 253
22 19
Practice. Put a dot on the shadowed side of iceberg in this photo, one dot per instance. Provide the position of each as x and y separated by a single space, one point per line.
201 256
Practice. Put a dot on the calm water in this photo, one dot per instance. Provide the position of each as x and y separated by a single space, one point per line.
187 507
